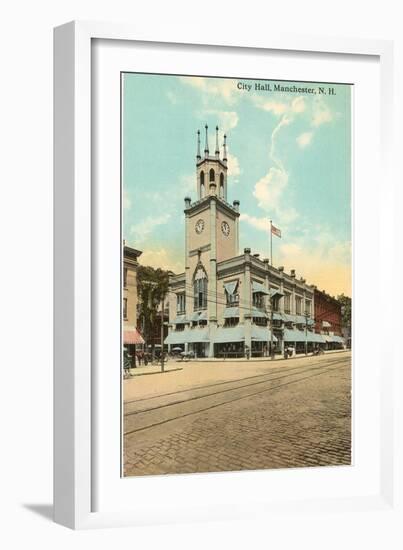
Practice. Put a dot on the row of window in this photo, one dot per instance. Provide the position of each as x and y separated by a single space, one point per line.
200 289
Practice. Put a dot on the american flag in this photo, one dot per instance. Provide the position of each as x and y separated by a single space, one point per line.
276 231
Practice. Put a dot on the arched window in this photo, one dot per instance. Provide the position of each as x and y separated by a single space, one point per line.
222 185
212 175
201 184
200 290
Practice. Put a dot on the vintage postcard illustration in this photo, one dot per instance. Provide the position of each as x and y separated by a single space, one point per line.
236 274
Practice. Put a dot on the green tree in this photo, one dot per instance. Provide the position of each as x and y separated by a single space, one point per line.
152 288
345 302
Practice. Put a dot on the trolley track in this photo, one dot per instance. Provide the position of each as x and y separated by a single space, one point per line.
147 418
282 369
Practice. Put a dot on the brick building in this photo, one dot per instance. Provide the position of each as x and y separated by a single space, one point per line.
328 319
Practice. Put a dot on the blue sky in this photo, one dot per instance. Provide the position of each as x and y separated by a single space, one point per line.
289 161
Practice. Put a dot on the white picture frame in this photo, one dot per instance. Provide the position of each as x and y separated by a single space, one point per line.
77 470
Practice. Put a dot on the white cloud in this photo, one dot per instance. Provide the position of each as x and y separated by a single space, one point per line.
320 113
162 258
141 230
268 190
298 105
187 184
226 121
126 200
233 165
224 88
321 260
262 224
304 139
285 121
275 107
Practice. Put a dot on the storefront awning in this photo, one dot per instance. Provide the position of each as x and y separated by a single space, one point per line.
316 338
261 334
132 336
187 336
230 334
326 324
175 337
294 335
299 319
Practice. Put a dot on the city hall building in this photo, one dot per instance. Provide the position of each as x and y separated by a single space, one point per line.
228 304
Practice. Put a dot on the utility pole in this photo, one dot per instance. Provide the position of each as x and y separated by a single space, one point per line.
306 332
162 334
271 328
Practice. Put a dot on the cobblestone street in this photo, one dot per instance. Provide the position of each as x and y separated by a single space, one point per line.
209 417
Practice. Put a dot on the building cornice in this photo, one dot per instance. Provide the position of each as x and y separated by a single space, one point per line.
204 203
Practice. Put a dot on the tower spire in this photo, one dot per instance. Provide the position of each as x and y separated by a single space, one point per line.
198 145
206 151
225 149
217 149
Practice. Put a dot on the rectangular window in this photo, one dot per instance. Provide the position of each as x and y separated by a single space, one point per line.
231 322
258 300
308 307
287 303
124 308
298 304
232 299
125 277
200 294
180 303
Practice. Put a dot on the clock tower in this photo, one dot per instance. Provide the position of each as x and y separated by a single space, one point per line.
212 228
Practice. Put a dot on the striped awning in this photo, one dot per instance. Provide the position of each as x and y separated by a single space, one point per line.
132 336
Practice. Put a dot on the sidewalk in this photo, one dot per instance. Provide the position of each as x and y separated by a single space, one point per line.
253 359
170 366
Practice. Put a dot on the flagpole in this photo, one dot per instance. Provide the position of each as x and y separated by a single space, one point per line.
271 244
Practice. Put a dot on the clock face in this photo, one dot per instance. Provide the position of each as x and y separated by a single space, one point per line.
225 228
199 226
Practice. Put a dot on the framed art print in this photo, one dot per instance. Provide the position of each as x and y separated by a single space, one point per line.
213 308
214 340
